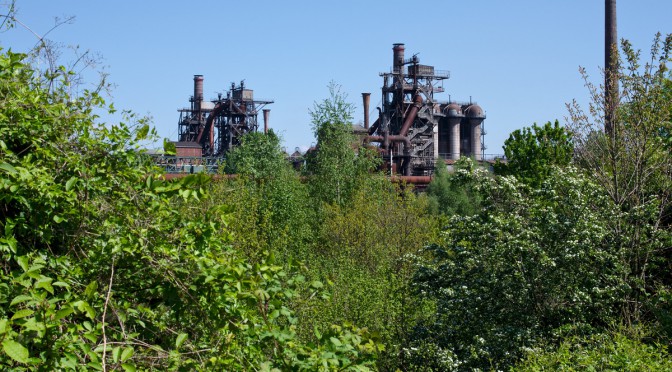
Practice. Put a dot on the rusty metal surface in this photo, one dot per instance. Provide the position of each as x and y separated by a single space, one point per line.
410 118
218 125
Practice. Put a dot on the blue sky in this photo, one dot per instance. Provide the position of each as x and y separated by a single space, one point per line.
518 59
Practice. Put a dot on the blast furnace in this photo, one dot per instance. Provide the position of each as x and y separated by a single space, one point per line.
413 128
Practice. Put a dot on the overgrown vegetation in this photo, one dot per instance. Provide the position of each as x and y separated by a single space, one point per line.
531 153
560 260
105 266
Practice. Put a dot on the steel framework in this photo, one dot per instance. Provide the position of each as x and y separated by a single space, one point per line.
218 125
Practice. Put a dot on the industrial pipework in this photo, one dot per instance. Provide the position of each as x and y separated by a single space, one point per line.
413 128
217 125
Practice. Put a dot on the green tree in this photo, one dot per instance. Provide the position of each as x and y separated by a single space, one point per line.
339 163
259 156
101 269
169 147
633 165
530 263
531 152
455 194
366 251
271 206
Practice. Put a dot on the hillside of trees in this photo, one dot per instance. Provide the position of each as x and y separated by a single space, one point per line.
560 259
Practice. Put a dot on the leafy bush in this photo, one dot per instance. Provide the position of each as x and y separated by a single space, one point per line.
456 193
601 352
101 269
532 152
528 264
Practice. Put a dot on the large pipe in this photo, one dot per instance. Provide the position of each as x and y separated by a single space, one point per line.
412 113
610 63
208 131
390 138
366 97
266 114
416 180
198 92
375 126
376 123
406 165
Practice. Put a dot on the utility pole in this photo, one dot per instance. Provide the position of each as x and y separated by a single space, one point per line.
610 65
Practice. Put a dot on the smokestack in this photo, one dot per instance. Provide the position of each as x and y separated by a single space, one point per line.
610 64
398 58
198 92
366 97
266 114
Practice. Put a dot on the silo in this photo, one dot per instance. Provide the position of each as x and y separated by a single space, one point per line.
454 116
475 115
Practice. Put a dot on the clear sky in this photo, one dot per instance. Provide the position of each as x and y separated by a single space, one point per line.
518 59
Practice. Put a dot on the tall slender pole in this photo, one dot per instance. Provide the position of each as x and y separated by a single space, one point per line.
610 64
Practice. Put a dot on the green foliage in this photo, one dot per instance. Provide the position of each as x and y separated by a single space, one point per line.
666 125
601 352
528 264
366 252
332 111
339 163
455 194
270 205
358 238
101 268
259 156
633 165
531 152
169 147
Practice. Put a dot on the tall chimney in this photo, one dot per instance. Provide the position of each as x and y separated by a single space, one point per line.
366 97
198 92
610 64
398 58
266 114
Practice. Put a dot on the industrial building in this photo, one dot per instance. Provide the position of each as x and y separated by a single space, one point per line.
211 128
413 128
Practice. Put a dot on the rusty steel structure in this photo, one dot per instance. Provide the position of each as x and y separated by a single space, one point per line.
413 128
413 131
216 126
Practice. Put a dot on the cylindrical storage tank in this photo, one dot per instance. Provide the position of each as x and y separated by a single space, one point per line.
198 92
454 116
476 116
398 57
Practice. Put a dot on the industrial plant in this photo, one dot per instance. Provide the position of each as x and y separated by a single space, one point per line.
413 130
211 128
